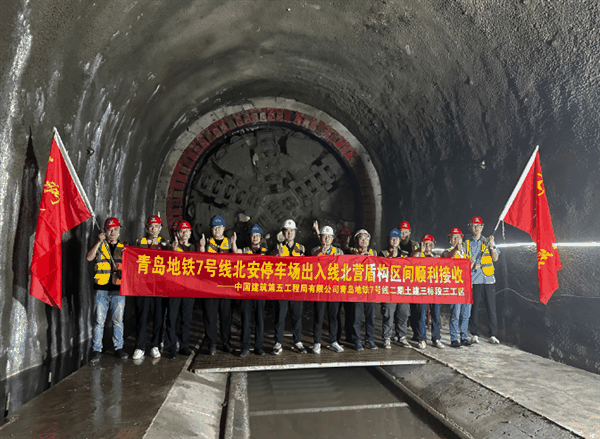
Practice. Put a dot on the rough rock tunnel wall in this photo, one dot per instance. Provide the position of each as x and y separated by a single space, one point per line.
431 89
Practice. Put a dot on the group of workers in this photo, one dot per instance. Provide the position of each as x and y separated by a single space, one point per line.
177 311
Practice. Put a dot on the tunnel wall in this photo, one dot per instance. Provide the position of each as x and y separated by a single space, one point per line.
449 98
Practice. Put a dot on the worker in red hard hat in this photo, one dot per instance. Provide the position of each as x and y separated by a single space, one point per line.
482 253
460 312
180 306
426 251
108 253
143 304
343 237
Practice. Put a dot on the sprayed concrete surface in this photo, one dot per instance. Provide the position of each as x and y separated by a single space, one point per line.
448 98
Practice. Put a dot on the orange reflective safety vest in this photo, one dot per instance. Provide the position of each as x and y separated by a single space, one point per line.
487 264
214 248
105 272
297 250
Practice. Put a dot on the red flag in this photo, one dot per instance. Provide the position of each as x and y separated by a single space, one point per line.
63 206
528 210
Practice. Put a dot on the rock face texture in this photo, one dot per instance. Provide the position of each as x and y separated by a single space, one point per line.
448 98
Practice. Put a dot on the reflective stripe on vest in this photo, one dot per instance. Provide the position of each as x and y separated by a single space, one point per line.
387 254
104 269
371 252
214 248
458 255
333 251
297 250
487 263
144 242
249 251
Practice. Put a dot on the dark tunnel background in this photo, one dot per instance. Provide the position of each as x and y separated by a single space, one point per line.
430 89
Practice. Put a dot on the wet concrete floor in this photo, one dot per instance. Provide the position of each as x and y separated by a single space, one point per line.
329 403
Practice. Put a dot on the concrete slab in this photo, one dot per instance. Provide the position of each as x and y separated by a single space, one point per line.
568 396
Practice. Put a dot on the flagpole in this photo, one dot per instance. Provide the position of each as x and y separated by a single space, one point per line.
74 175
519 184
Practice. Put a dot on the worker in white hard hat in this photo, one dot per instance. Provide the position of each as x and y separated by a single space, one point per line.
326 249
289 247
362 239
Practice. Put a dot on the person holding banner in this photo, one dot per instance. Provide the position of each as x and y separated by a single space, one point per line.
144 303
218 243
407 247
180 308
108 252
326 248
289 247
460 313
394 313
426 251
482 253
362 239
253 307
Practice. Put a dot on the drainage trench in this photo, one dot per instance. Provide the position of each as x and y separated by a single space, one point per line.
354 402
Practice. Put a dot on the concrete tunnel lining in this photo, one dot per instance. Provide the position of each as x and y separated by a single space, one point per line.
430 89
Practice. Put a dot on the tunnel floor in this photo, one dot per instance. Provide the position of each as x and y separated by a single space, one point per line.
115 398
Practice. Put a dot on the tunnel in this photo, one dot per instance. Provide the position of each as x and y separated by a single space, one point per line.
354 113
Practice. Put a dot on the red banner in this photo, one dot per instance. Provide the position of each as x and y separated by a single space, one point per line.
347 278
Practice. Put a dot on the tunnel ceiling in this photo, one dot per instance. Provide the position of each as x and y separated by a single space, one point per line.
431 89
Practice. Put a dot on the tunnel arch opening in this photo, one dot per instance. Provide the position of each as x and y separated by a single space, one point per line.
291 160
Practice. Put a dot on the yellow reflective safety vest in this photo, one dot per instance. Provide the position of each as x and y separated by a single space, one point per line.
333 251
190 248
105 272
388 254
249 251
297 250
458 255
423 255
145 242
414 247
371 252
214 248
487 264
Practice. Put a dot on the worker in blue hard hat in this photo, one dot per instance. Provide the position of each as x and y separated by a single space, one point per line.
253 307
218 243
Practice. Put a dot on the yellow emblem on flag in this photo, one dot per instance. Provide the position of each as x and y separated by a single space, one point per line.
542 256
53 189
540 185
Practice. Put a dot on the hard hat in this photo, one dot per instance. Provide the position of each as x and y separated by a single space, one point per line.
404 225
111 222
455 231
184 225
428 238
289 224
360 232
154 219
344 231
327 231
216 221
255 229
477 220
394 233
